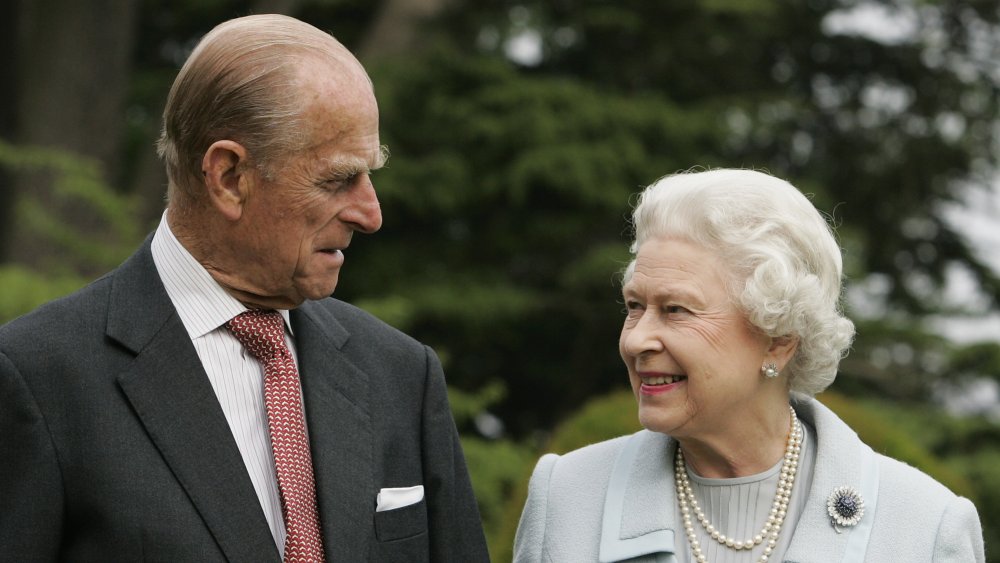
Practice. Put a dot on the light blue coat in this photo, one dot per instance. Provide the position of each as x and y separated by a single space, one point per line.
615 500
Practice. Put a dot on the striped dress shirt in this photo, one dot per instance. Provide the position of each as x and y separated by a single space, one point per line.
237 377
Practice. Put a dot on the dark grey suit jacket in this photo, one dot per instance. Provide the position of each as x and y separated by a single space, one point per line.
113 446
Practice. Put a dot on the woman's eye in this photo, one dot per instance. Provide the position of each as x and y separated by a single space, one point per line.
631 308
675 309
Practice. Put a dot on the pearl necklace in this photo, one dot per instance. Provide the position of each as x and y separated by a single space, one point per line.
771 529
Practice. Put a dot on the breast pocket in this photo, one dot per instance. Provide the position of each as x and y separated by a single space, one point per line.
401 523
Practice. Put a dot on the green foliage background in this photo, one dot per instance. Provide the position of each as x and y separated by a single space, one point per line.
506 196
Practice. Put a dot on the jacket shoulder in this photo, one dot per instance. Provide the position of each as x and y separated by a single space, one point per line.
365 339
916 516
897 476
592 456
84 313
581 477
360 322
71 316
563 512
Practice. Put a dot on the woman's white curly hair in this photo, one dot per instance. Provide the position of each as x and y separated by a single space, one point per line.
784 262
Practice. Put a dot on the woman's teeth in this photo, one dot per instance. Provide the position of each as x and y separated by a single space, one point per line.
662 380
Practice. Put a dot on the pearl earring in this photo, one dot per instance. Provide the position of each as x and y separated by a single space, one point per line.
770 370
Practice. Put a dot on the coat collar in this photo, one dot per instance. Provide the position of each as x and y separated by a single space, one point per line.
639 520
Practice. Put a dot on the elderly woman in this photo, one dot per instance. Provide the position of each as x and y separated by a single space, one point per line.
732 324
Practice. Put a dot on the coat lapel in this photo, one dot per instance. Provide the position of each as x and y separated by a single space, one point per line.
336 395
170 393
638 517
841 460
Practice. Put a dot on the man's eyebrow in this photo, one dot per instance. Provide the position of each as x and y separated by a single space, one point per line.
383 156
345 167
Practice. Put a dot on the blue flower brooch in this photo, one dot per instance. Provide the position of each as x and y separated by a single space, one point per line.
845 506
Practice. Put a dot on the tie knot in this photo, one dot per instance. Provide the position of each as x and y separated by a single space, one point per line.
260 331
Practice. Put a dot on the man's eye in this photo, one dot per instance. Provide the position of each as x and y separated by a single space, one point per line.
339 182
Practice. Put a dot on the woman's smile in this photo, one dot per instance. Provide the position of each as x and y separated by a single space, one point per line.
655 384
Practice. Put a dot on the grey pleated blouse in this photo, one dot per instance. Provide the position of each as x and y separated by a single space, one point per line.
739 507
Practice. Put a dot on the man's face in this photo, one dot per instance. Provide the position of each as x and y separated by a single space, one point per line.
288 245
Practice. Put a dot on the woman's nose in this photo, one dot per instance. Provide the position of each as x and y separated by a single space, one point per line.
641 338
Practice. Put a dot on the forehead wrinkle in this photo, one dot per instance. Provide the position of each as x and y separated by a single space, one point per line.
663 290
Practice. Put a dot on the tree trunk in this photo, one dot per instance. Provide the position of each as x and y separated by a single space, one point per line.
397 27
8 111
72 79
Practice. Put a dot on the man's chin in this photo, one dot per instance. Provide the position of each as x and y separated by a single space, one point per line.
315 292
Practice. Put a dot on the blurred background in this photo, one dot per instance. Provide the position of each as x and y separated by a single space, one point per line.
520 133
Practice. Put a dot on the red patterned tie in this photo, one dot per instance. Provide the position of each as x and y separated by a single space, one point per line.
262 332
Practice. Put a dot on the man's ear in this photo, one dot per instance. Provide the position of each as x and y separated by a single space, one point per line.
228 177
781 350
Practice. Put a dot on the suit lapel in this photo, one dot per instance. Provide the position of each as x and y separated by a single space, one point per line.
170 393
336 395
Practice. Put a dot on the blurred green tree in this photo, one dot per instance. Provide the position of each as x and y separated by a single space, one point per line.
884 127
521 131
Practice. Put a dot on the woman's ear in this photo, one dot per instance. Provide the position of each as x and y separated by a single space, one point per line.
781 350
227 177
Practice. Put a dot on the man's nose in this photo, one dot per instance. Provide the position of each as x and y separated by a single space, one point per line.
364 213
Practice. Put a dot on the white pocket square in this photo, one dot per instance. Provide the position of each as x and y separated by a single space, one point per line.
398 497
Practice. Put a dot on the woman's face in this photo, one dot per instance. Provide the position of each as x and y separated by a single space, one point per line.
693 360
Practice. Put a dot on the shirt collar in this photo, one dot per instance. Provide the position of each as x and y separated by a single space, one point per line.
202 304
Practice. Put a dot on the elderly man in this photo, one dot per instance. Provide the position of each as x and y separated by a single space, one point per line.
208 400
